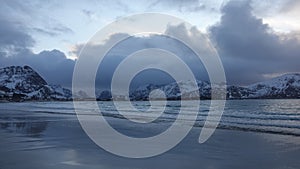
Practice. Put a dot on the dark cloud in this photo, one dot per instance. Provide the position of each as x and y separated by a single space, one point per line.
15 49
249 48
136 43
13 34
13 38
52 65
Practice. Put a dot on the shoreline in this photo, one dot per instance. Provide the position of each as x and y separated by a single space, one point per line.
90 100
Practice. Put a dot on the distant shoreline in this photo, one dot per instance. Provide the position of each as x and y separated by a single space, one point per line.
90 100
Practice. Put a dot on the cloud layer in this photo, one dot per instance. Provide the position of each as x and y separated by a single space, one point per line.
250 50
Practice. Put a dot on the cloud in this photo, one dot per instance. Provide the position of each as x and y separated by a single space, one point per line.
249 48
34 16
61 29
13 39
136 43
181 5
15 49
14 35
54 31
90 14
290 5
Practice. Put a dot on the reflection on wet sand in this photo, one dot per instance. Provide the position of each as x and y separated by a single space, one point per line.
35 138
32 129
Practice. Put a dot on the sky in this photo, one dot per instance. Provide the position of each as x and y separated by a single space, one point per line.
256 40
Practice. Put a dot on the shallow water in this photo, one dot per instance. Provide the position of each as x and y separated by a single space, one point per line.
251 134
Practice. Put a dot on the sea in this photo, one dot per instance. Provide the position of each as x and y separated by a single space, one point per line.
251 134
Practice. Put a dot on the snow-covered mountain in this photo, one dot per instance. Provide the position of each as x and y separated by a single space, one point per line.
172 91
286 86
23 83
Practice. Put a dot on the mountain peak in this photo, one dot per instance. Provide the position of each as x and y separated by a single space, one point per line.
291 79
289 76
23 83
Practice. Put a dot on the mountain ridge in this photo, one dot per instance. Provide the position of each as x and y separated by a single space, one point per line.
283 87
19 83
